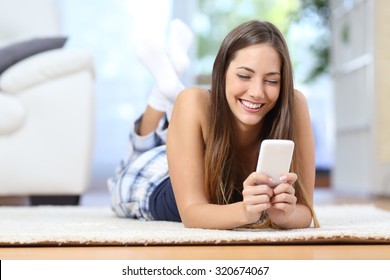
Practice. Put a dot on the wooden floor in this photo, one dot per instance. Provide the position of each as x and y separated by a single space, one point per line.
220 252
263 252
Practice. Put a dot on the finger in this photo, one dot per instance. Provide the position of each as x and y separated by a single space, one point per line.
256 192
284 188
285 207
284 198
258 178
289 178
258 208
257 200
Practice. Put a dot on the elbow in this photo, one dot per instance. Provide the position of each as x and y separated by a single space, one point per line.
189 222
191 219
189 225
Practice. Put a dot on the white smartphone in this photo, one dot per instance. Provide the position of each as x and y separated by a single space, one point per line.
275 158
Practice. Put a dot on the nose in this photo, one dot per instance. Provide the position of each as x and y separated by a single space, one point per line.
257 91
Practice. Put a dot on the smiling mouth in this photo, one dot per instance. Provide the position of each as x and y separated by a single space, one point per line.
251 105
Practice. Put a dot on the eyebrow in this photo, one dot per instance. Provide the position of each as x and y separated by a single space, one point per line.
246 68
253 71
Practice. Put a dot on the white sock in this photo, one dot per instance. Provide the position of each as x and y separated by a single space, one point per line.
167 67
160 67
179 41
157 100
168 110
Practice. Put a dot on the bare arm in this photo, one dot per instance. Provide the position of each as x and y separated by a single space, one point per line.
305 144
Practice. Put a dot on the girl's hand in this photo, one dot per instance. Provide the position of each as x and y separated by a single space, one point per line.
283 201
256 196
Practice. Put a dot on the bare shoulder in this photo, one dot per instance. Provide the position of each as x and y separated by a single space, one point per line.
192 102
191 110
300 99
303 125
301 107
200 96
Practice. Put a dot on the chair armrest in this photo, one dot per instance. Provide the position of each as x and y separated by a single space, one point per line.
12 114
42 67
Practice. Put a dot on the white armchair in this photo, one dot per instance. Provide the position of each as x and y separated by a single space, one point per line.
46 115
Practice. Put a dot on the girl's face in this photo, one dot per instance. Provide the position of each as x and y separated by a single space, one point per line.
253 83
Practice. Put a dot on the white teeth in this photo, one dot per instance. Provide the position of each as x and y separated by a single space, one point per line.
251 105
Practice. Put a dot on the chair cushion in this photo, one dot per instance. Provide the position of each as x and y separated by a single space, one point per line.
16 52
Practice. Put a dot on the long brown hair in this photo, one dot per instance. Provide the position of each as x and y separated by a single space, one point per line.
223 176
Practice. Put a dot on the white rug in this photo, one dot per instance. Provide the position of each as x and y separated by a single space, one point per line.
67 225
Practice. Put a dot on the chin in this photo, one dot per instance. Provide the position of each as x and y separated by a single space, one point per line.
251 121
